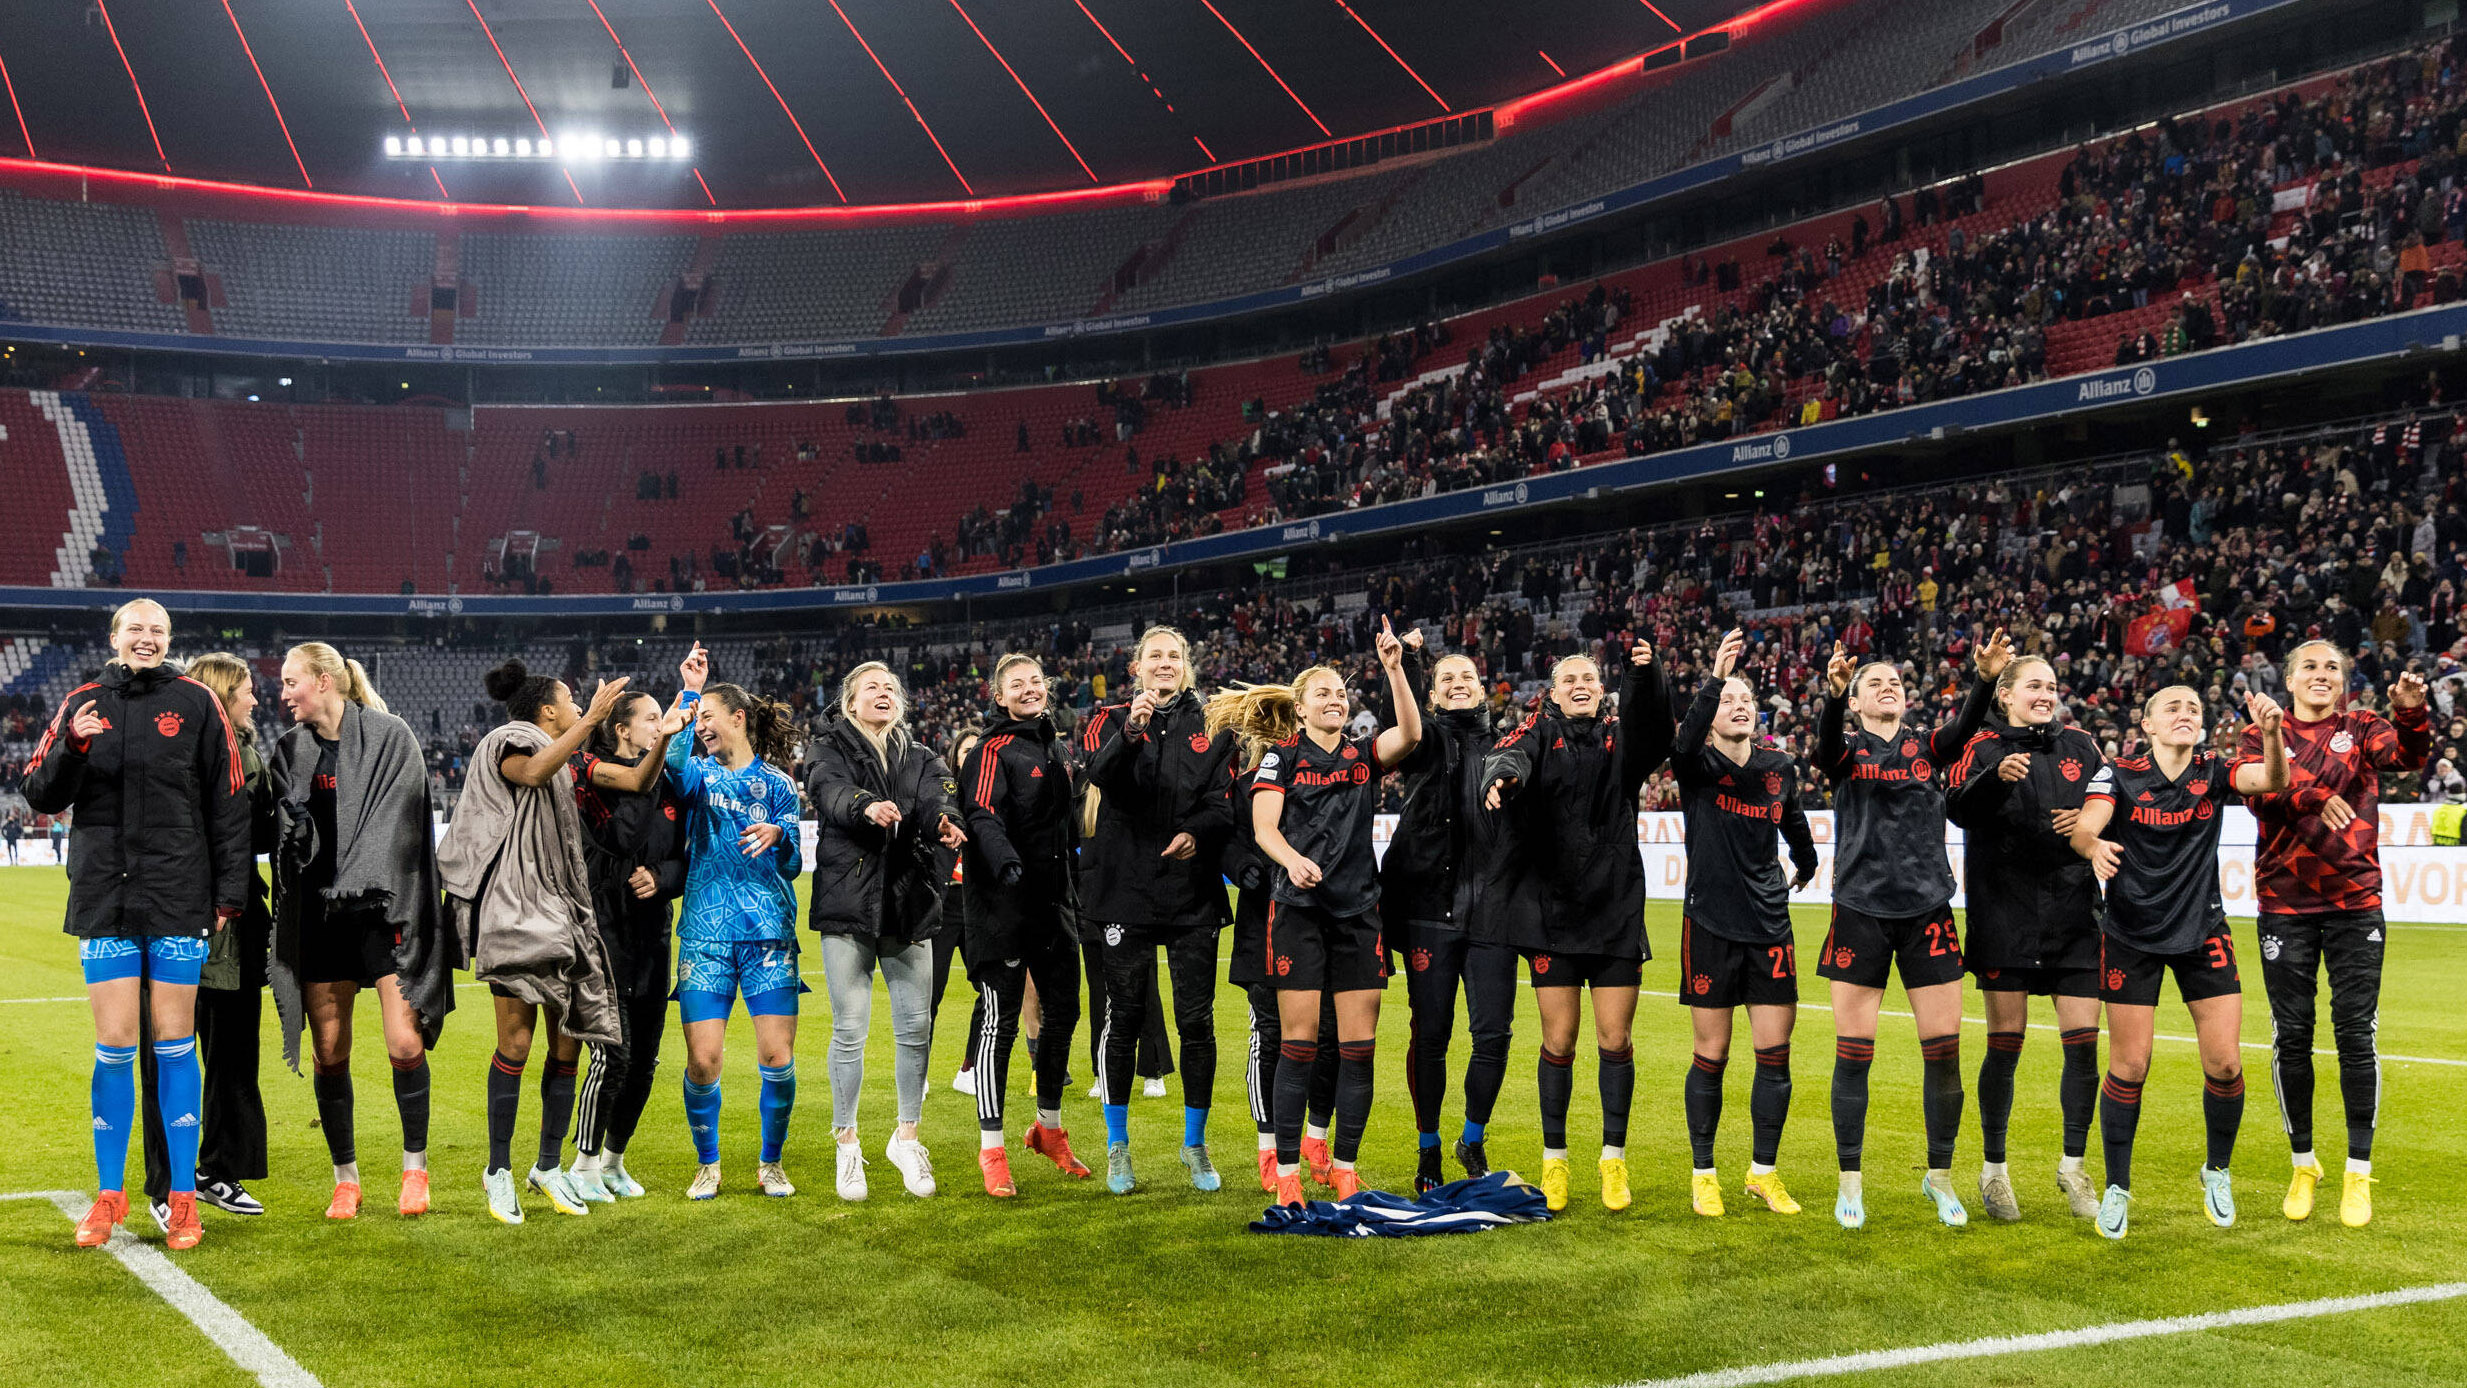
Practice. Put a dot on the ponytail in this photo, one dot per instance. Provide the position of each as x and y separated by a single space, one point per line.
1262 715
770 726
349 676
524 694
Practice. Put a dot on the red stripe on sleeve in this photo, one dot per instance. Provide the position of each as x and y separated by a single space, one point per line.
986 768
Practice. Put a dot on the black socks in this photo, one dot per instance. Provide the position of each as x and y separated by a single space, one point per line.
505 1097
1768 1102
1704 1107
2004 1056
1852 1055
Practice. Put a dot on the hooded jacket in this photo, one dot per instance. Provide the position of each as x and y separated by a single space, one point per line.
869 880
2033 901
160 840
1166 779
1567 877
1020 866
1443 838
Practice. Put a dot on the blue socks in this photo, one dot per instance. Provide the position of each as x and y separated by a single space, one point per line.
779 1097
115 1108
1428 1139
180 1089
1194 1127
702 1115
1117 1123
1473 1131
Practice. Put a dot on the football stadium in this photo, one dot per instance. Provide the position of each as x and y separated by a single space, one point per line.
1065 691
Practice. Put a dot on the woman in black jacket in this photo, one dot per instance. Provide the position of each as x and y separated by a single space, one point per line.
634 852
1021 867
149 762
1568 888
1151 880
2032 922
886 834
1441 830
231 994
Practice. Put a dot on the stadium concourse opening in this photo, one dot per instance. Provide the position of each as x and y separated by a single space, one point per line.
1139 574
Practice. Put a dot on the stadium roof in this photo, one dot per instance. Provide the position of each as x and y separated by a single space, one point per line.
779 102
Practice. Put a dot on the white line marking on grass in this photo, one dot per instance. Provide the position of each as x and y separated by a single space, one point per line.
2163 1036
228 1329
1995 1345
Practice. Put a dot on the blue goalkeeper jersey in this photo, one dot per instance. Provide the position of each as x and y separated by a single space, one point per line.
729 896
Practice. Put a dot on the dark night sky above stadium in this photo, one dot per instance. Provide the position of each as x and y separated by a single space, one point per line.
1129 89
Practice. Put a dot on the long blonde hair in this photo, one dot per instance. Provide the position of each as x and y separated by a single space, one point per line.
1263 715
899 718
1174 634
348 675
226 674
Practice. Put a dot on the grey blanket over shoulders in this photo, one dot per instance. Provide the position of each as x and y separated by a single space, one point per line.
386 862
518 894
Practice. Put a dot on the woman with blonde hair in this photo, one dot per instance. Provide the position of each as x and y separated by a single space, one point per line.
148 761
356 905
1313 799
1151 881
886 834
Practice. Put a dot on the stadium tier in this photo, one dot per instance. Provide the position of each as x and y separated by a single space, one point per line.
2270 215
303 274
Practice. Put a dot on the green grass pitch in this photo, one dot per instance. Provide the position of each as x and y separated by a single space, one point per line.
1068 1285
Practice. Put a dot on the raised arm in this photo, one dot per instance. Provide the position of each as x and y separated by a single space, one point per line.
2402 743
1644 719
609 775
539 767
2269 774
1112 742
1397 743
1832 746
1946 743
58 770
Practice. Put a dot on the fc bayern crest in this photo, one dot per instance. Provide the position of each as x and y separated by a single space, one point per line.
1910 747
2198 787
2071 768
1199 742
2341 743
1773 783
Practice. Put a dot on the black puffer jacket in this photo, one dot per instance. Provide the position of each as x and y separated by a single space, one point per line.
869 880
160 843
1021 862
1567 877
1166 779
2033 901
1442 835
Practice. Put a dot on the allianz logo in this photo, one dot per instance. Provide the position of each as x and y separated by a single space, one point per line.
1772 449
2141 382
1011 581
1309 530
1505 496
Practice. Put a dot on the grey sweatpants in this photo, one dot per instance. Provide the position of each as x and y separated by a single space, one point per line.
848 963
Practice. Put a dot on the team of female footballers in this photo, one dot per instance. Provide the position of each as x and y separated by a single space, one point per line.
2089 880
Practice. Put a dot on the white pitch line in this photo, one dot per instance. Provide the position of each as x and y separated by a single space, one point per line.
1969 1021
247 1346
1996 1345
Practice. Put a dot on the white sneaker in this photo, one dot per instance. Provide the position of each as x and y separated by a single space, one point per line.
706 1182
773 1178
1154 1088
1096 1091
916 1169
851 1171
965 1082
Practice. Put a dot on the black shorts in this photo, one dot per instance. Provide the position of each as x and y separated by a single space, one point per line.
2130 977
352 949
2045 983
1719 972
1576 970
1310 950
1863 950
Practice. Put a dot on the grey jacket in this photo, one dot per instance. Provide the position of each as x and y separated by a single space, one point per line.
518 893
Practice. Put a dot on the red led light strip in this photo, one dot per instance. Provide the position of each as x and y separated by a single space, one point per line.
379 59
1023 91
6 81
1553 66
263 86
474 6
1657 14
142 108
775 96
1148 190
645 84
1108 33
1263 63
1400 62
903 97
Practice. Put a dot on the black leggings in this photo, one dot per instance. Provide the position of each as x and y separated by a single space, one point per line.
1436 960
2295 949
1155 1059
1133 1010
619 1085
1001 986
